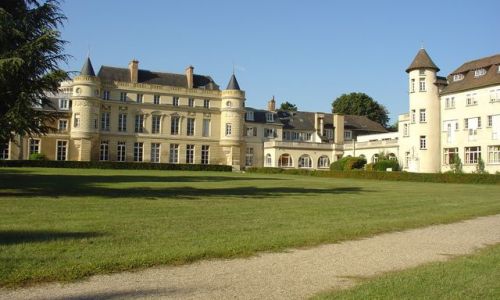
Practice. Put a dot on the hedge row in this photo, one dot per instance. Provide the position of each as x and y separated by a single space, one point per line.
392 176
112 165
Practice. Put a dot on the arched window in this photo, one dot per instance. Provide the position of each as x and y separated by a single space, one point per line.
392 156
269 160
374 158
285 161
323 162
362 156
305 161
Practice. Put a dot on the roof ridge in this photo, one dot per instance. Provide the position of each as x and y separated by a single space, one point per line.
158 72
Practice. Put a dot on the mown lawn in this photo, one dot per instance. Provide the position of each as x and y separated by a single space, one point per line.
66 224
470 277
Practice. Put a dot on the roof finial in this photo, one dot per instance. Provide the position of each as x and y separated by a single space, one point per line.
422 45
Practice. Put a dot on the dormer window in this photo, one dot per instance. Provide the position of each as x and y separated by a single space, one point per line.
269 117
421 72
479 72
458 77
63 104
498 69
249 116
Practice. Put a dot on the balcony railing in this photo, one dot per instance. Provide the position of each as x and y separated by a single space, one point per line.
300 145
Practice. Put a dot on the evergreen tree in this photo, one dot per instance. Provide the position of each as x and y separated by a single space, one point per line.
288 106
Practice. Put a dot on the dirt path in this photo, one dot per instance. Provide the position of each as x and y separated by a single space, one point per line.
295 274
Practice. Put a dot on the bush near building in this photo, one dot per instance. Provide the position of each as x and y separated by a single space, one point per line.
348 163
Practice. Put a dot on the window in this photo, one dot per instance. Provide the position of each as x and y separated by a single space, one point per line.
472 155
206 127
423 118
139 98
495 127
458 77
173 157
156 99
96 121
123 97
229 104
105 94
449 155
4 151
406 129
450 127
62 150
375 158
206 103
348 135
479 72
76 120
62 125
305 161
105 121
155 152
407 160
249 116
472 124
251 131
121 151
413 116
423 142
155 124
490 121
174 125
138 151
122 122
228 129
269 117
412 86
139 123
285 161
63 104
205 154
249 157
421 85
421 72
471 99
175 101
494 95
191 102
494 154
190 154
323 162
329 134
269 133
104 151
190 126
269 160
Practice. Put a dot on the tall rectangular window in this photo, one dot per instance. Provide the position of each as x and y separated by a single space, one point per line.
249 157
104 151
190 126
4 151
34 146
155 124
423 142
191 102
494 154
189 154
250 131
62 125
62 150
413 116
173 157
105 121
139 123
63 104
423 117
121 151
76 120
156 99
155 152
421 85
174 125
406 129
206 103
472 155
205 154
450 154
139 98
123 97
105 94
412 86
206 127
138 151
269 117
122 122
269 133
249 116
175 101
228 129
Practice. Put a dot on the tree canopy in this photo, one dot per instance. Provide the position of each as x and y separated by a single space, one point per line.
30 54
361 104
288 106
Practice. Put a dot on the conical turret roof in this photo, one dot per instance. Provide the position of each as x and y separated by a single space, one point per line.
233 84
87 68
422 61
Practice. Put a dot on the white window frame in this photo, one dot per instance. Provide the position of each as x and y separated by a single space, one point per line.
422 116
104 151
305 162
34 143
123 96
139 98
191 102
269 160
479 72
229 129
423 142
64 104
406 129
76 120
121 151
249 157
105 95
105 121
61 145
138 151
472 155
206 103
348 135
285 161
413 116
421 85
190 150
323 162
173 156
139 123
205 154
250 116
206 132
155 155
190 126
156 99
155 124
494 154
270 117
458 77
175 125
175 101
448 154
122 122
62 128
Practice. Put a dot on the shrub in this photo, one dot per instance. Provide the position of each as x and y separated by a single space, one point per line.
383 165
338 165
37 156
456 165
480 166
348 163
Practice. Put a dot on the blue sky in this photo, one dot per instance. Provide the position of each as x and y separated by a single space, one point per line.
305 52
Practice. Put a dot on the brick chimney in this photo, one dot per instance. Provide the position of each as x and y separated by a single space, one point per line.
189 77
133 67
338 124
271 105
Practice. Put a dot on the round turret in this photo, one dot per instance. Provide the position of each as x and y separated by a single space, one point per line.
232 114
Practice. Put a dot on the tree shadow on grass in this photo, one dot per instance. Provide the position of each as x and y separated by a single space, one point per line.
10 237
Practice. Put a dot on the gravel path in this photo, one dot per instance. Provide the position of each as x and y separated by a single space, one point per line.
295 274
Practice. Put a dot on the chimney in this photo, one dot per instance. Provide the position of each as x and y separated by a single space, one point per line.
189 77
338 124
271 105
133 67
318 123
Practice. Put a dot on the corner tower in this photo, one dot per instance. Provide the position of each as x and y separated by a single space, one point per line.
424 128
85 110
232 122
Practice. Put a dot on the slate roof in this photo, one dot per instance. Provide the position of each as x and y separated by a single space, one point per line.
422 61
87 68
492 76
233 84
107 73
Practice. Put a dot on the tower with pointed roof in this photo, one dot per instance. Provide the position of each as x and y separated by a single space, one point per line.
232 122
421 139
85 111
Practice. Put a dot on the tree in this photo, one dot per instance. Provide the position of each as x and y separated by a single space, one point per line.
288 106
361 104
30 54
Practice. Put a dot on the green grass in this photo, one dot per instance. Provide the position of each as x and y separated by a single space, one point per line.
66 224
471 277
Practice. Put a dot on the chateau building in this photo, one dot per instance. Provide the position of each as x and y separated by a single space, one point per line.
135 115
